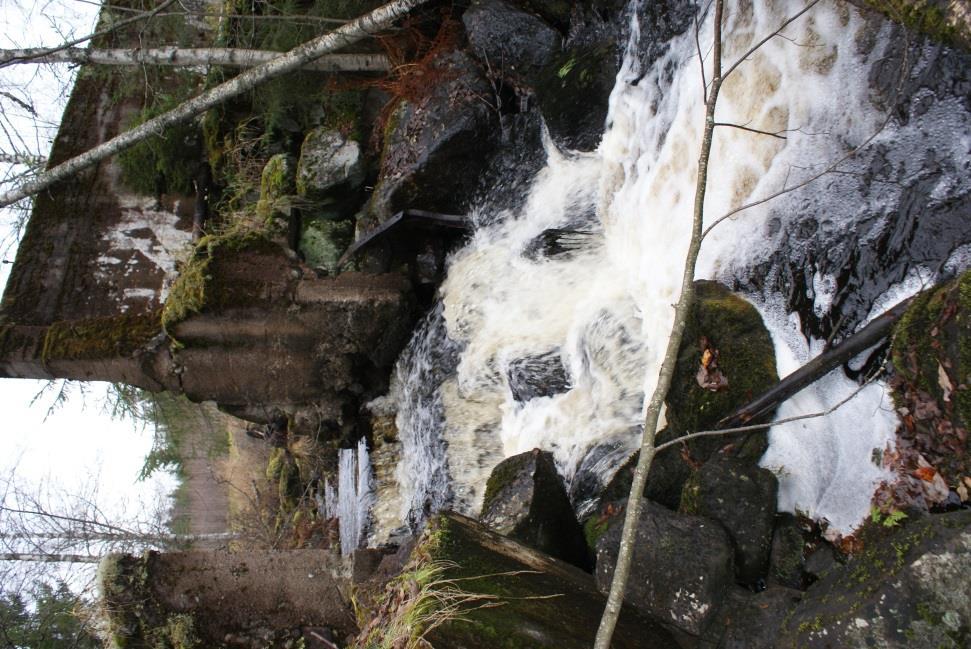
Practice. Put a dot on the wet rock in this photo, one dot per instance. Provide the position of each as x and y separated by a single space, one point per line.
330 168
731 325
742 497
507 39
786 558
594 472
751 620
538 376
436 147
539 601
907 587
525 500
323 241
681 569
560 243
586 71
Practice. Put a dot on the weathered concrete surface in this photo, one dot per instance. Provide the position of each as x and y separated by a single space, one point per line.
222 599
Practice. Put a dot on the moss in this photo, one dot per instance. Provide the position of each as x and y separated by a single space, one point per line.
201 285
747 359
690 495
593 528
276 183
168 161
941 20
98 338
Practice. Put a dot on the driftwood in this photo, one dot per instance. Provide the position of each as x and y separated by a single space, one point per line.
406 225
766 403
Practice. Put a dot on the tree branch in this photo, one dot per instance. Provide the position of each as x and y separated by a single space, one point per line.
104 32
618 584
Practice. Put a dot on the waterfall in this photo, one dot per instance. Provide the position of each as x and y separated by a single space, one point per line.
355 496
597 312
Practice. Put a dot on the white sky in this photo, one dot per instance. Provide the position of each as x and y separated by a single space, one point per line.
79 448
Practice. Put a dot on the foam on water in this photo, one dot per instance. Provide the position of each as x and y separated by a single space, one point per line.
606 309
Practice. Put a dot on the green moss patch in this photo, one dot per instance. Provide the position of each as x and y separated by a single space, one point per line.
96 338
941 20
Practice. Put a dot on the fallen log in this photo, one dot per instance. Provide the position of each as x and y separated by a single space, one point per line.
467 586
762 406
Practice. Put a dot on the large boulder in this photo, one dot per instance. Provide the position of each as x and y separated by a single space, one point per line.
469 587
681 569
525 500
509 40
330 170
742 497
435 147
724 322
907 587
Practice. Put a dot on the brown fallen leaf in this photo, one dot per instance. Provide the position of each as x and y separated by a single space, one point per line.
925 473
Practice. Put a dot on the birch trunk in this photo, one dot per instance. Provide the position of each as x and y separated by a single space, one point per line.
49 558
618 584
379 19
190 57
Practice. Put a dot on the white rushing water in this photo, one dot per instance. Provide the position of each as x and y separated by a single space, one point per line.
605 310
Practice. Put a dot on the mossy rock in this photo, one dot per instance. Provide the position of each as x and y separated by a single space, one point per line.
323 241
746 358
277 183
931 353
225 271
909 586
945 21
504 596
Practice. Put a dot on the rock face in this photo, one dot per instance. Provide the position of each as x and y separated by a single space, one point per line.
751 620
909 587
436 147
742 497
525 500
513 596
509 39
681 570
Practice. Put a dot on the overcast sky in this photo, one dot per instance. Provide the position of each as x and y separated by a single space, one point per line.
78 448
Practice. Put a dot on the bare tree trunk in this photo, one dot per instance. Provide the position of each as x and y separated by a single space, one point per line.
377 20
618 584
49 558
187 57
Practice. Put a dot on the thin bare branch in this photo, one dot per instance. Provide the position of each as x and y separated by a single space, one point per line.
102 32
752 130
778 422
